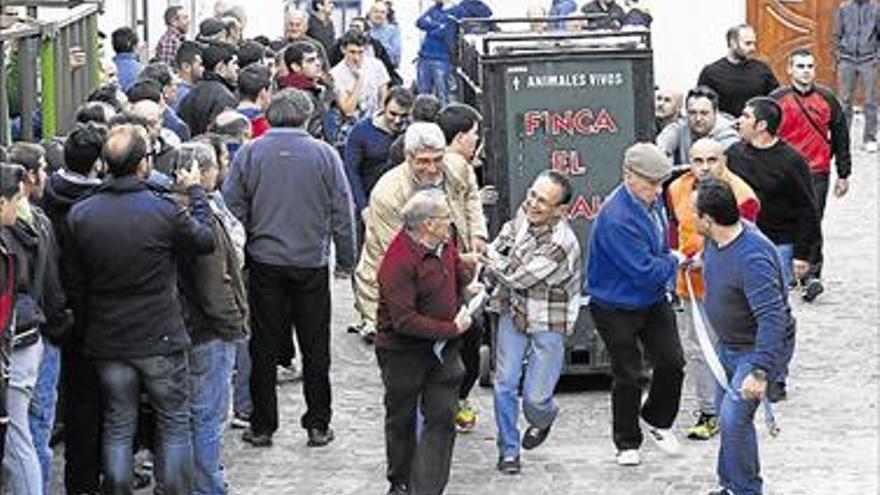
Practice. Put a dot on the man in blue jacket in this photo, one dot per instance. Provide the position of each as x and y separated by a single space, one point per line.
437 55
747 305
629 271
125 242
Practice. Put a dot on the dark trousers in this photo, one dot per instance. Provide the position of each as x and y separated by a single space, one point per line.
470 356
82 432
820 189
281 297
166 381
410 377
622 331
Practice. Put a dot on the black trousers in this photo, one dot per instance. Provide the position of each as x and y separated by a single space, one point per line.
655 329
410 377
470 356
820 189
281 297
83 416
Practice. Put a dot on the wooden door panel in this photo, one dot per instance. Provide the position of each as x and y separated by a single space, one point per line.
785 25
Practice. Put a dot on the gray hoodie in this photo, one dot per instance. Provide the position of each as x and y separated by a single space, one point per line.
857 31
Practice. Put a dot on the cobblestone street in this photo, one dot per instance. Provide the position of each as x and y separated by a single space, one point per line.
828 443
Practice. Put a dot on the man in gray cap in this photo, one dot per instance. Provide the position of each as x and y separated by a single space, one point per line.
629 273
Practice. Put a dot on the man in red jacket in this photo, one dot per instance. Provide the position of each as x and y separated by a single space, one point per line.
421 284
814 123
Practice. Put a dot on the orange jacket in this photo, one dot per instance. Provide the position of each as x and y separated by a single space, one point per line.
690 242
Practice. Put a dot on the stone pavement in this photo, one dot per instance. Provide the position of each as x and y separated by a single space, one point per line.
829 438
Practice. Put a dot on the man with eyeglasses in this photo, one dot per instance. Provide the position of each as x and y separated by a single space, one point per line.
536 264
629 270
814 123
424 145
702 121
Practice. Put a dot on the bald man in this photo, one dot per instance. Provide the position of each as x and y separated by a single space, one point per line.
707 160
667 107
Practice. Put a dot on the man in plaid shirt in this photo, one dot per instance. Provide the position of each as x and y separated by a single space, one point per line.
536 264
177 21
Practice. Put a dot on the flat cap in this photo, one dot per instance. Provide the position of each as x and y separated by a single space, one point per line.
647 160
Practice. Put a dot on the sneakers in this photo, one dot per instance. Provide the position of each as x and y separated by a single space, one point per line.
720 491
705 428
257 439
534 436
665 440
812 289
466 417
398 489
509 465
240 421
871 146
628 457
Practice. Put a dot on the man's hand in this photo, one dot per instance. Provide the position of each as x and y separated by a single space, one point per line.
841 187
189 177
470 260
753 387
800 268
679 256
463 320
489 196
478 245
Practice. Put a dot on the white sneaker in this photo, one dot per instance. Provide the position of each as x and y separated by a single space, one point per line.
628 457
665 439
871 146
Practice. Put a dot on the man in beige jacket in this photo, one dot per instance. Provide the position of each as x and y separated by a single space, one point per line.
425 168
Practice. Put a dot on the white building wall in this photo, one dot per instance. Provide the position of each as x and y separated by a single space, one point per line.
687 34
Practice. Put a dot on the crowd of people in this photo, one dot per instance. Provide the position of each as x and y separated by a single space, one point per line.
162 258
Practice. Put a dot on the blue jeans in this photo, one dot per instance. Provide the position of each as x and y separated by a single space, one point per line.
786 252
21 465
166 381
739 468
241 392
432 77
545 352
210 369
42 410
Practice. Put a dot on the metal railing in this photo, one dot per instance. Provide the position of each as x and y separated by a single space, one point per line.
58 66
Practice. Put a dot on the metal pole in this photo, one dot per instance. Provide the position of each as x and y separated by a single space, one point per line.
4 107
27 66
47 72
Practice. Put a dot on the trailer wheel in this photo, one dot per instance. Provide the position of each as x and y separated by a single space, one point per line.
485 366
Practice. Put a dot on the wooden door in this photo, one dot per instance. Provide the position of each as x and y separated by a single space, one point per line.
783 26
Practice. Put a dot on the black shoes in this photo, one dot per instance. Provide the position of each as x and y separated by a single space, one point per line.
534 436
398 489
257 439
509 465
320 438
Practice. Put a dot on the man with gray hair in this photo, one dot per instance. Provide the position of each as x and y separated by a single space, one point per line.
424 145
421 280
291 193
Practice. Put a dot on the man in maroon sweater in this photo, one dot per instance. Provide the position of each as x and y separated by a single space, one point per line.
421 283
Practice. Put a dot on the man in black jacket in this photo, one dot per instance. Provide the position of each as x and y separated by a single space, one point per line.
215 92
66 187
125 241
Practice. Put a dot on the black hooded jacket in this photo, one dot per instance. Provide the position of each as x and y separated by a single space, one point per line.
210 96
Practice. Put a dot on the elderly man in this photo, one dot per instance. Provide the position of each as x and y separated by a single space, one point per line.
536 262
421 282
290 192
423 169
134 327
702 120
747 305
707 161
629 269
